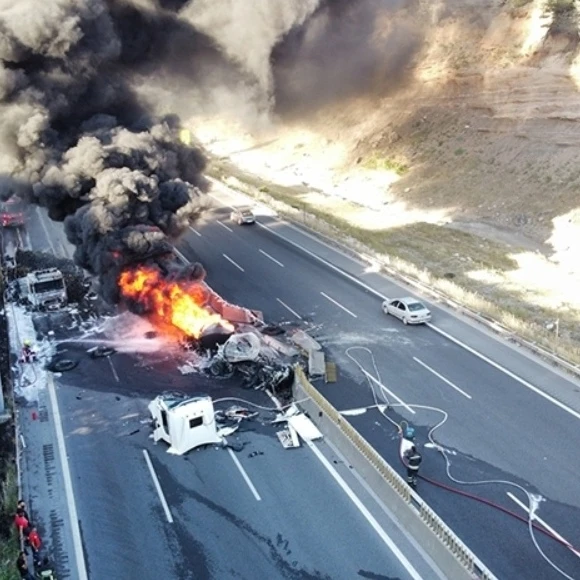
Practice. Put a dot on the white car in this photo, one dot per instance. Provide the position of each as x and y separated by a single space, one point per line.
409 310
243 215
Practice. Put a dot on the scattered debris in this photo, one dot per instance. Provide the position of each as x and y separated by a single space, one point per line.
235 413
298 421
227 431
330 375
288 438
255 453
316 363
272 330
240 347
304 341
101 351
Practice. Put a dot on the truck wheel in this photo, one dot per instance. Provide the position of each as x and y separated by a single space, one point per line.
61 365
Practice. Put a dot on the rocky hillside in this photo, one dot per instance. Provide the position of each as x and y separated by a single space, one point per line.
476 130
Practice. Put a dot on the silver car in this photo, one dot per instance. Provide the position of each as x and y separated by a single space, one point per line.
409 310
243 215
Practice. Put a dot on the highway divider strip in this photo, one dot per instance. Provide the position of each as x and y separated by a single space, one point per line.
453 557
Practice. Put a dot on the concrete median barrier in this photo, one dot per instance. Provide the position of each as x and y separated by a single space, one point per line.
450 554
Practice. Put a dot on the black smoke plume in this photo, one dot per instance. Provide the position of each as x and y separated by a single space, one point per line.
75 140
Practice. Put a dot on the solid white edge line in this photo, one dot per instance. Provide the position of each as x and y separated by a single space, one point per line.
195 232
377 382
180 256
322 260
68 488
506 371
430 325
244 475
158 487
232 262
289 309
366 513
339 305
271 258
543 523
113 369
445 380
224 226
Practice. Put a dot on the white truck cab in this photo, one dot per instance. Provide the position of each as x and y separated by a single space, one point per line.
46 289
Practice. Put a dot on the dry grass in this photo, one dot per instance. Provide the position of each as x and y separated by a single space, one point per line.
437 256
384 164
9 543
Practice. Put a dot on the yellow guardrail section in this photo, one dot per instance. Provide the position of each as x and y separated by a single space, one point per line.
429 517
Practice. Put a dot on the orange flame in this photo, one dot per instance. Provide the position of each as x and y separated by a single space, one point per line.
170 305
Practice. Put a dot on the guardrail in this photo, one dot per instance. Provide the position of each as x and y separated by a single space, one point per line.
494 325
453 557
487 321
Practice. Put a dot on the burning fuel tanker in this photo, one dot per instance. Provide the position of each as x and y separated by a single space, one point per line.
181 308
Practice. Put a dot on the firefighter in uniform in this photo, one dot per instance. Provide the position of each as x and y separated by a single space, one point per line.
413 461
28 355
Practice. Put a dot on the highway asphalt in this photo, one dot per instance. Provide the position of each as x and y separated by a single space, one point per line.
303 525
511 418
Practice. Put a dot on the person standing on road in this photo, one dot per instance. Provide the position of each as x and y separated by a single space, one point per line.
35 545
21 508
22 566
21 522
413 462
28 355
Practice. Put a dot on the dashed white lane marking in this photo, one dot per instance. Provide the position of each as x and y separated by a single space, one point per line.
339 305
245 475
158 487
543 523
365 512
271 258
439 376
224 226
232 262
195 232
113 369
39 213
289 309
506 371
430 325
68 488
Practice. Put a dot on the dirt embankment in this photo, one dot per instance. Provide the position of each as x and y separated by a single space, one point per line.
480 134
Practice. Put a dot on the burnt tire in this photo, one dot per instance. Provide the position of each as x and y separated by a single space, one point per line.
61 365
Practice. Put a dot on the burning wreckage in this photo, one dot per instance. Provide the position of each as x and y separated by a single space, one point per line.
216 338
233 341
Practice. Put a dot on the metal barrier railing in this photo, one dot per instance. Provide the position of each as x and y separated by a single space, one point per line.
461 552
